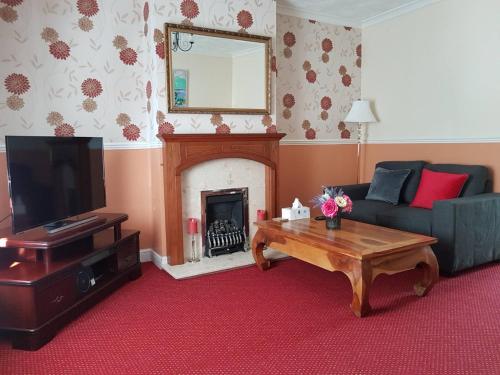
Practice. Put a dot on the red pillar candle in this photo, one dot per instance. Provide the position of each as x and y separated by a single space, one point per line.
261 215
192 226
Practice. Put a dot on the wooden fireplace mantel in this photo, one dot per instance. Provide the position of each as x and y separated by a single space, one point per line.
183 151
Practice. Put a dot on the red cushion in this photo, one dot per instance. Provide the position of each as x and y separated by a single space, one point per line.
436 186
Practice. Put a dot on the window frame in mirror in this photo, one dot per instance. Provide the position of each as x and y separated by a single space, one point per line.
170 27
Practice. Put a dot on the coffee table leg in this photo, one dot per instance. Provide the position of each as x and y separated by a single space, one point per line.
258 243
361 281
431 272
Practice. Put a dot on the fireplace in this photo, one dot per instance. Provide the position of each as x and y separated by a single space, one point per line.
224 221
184 151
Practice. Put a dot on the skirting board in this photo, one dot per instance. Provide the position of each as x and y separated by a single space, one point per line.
206 265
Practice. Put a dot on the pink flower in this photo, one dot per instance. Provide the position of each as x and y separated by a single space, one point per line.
327 45
64 130
329 208
166 128
311 76
128 56
326 103
223 129
60 50
310 133
12 3
245 19
131 132
345 134
347 208
8 14
88 8
289 39
91 87
17 83
160 50
271 129
346 80
189 9
288 100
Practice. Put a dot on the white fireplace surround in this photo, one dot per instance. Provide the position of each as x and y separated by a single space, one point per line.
216 175
230 173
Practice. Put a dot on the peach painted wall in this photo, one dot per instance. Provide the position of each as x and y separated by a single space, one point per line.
127 190
158 202
460 153
4 192
304 169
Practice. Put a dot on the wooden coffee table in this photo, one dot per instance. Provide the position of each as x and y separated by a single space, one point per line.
361 251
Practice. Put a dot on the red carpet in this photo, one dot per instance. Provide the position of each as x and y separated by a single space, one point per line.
292 319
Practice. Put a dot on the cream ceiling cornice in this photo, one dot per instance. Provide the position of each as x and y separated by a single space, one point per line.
320 17
396 12
366 22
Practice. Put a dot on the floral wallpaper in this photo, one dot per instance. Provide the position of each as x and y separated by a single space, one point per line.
97 67
319 70
246 16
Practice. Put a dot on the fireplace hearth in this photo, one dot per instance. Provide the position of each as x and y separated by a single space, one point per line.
224 221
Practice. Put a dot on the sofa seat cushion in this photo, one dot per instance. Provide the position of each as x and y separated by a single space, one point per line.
410 219
366 210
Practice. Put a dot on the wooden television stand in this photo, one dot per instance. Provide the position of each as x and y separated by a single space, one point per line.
46 280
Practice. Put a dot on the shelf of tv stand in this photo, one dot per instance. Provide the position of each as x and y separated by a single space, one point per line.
29 273
41 244
38 238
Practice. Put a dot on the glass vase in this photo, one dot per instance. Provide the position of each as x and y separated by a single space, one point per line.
333 222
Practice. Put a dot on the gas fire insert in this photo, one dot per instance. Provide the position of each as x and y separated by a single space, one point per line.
224 221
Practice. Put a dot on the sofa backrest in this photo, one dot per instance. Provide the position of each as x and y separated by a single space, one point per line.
479 180
411 184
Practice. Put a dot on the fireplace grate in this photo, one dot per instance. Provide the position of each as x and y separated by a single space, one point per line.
225 236
225 221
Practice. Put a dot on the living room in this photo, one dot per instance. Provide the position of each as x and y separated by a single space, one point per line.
425 74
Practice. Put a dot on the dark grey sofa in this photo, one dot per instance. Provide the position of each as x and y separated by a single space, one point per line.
467 228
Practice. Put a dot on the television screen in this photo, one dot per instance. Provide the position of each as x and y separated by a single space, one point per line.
53 178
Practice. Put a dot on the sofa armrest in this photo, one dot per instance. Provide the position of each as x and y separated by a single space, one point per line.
357 191
468 230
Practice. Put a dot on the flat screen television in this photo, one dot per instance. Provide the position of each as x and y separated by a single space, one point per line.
53 178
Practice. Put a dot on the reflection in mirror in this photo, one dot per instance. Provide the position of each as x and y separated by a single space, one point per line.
212 73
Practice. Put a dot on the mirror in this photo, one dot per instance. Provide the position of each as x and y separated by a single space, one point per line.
212 71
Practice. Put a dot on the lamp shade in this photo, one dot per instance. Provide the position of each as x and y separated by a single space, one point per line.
360 112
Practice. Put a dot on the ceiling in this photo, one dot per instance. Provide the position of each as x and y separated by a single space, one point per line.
349 12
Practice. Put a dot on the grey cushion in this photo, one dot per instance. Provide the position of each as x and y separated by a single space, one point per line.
356 191
386 185
411 184
410 219
478 181
366 211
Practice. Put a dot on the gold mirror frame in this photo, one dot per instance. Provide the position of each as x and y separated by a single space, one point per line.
170 27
